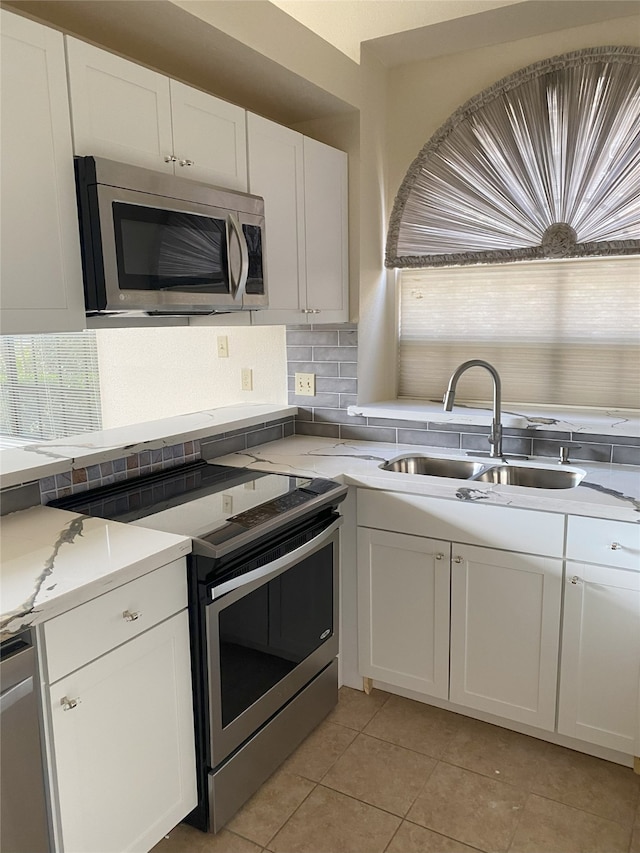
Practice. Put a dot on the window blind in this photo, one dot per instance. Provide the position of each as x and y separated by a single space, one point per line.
49 385
561 332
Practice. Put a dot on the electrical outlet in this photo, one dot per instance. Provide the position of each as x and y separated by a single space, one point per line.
227 503
247 379
223 346
305 384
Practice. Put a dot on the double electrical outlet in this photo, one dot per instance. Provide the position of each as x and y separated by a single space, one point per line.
305 384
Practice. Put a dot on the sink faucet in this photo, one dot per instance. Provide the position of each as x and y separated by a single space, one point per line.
495 436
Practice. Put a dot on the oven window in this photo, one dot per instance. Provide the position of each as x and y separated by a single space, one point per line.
267 633
167 250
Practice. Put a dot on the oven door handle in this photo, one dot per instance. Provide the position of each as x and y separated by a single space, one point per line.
266 573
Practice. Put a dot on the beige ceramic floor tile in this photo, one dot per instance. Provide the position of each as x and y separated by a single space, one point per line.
263 815
469 807
411 838
496 752
319 751
380 773
550 827
601 787
415 725
186 839
329 822
355 709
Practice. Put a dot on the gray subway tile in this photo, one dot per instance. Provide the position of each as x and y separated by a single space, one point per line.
212 449
348 369
614 440
264 435
312 338
340 327
335 354
299 354
347 400
423 436
320 368
365 433
337 386
288 429
444 427
348 338
337 416
520 446
625 455
326 401
295 326
324 430
588 452
304 414
398 423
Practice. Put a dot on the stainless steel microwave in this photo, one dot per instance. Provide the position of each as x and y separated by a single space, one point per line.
165 245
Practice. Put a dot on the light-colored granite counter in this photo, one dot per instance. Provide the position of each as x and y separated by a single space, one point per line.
33 461
53 560
610 422
607 491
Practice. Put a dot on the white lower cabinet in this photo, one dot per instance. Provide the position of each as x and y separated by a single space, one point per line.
403 606
600 670
121 734
505 627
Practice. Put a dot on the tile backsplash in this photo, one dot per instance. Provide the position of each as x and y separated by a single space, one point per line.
331 352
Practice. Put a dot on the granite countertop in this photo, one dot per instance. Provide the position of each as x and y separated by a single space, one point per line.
53 560
607 491
46 458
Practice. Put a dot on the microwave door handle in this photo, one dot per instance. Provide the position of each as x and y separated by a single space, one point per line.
241 283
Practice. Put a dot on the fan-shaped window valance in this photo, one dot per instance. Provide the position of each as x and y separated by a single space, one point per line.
544 163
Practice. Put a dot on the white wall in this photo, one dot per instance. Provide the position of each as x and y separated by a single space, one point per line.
146 374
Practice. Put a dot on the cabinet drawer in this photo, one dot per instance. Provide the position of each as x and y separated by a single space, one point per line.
88 631
598 540
472 523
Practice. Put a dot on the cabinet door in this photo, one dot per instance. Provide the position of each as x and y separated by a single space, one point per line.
276 172
120 110
124 755
326 232
403 610
209 138
505 626
41 271
600 664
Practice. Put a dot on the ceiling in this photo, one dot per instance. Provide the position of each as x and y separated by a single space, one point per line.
402 31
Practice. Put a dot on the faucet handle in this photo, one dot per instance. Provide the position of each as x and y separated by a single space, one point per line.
564 453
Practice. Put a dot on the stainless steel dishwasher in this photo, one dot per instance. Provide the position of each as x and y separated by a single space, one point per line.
24 822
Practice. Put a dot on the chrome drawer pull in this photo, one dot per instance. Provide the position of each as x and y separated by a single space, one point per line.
169 158
575 580
68 704
439 556
616 546
457 560
131 616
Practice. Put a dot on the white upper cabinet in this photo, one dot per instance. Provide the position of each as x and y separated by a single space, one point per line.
326 232
125 112
209 138
41 274
304 186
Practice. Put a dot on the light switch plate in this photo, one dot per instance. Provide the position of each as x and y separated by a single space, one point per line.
305 384
223 346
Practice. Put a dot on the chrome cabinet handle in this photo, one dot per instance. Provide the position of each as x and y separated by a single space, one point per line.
439 556
131 615
575 580
169 158
68 704
458 560
185 162
616 546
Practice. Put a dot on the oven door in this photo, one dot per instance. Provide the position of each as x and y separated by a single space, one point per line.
268 636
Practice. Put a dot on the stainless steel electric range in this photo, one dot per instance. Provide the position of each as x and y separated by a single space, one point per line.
263 599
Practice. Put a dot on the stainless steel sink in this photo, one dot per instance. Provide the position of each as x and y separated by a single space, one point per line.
486 472
432 466
533 478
